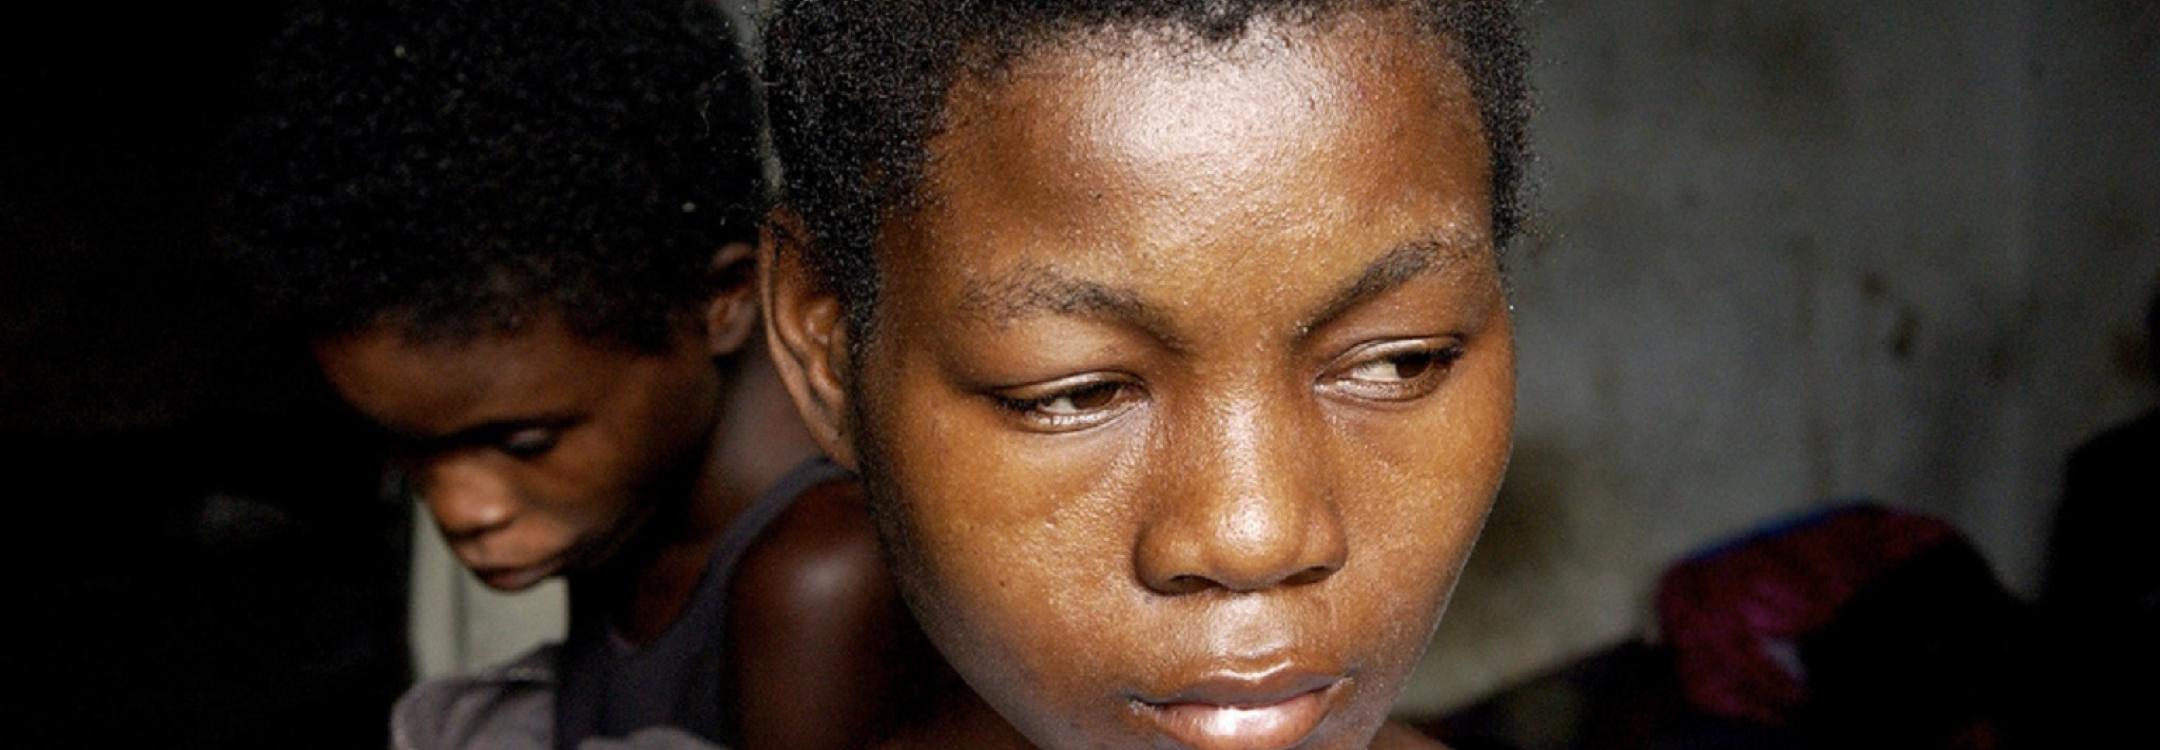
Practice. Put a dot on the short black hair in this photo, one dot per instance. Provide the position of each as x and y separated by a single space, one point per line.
457 167
856 90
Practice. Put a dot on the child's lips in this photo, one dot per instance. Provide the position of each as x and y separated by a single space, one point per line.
1275 712
517 577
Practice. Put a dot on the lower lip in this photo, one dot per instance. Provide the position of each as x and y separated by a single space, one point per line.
515 579
1275 726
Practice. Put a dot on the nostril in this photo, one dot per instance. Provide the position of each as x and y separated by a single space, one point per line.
1185 584
1189 583
462 534
1239 537
1314 574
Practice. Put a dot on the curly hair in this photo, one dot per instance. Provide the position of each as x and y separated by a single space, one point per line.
856 90
457 167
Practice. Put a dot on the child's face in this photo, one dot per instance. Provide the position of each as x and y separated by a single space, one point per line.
1193 384
538 452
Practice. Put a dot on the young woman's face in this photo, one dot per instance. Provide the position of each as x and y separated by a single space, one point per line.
1191 387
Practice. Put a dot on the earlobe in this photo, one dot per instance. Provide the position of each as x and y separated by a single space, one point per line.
807 335
731 310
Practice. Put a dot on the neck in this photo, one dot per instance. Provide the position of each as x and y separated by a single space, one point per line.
756 439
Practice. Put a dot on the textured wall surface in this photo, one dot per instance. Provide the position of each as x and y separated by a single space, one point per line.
1794 252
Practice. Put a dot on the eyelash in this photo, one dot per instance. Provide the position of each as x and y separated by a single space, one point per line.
1116 395
1432 362
529 443
1097 401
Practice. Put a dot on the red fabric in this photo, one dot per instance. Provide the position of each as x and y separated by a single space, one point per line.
1733 615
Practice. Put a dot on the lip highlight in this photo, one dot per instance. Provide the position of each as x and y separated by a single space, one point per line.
517 577
1274 712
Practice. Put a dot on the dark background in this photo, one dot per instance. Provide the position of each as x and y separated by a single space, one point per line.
197 553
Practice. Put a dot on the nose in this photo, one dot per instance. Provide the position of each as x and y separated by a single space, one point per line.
467 499
1247 509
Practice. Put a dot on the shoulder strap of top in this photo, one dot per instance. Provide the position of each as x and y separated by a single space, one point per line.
751 524
671 681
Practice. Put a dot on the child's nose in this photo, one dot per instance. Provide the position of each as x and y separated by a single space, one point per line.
1248 508
467 498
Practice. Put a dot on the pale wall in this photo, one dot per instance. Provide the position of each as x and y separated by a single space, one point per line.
1794 252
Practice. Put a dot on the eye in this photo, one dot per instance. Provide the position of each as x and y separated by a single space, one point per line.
1398 371
1395 369
1065 405
529 442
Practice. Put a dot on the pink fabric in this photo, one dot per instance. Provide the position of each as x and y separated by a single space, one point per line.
1733 615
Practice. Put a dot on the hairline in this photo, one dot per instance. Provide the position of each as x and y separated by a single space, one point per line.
983 61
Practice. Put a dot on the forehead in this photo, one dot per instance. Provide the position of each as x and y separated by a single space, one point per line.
1158 144
423 387
1294 122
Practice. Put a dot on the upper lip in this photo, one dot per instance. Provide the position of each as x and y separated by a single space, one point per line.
1248 688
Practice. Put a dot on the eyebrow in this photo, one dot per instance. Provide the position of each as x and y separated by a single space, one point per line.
1036 289
1392 269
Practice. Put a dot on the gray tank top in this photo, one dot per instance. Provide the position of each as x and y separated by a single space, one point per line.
609 688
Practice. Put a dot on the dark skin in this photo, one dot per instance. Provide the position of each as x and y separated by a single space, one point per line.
541 452
835 621
1190 386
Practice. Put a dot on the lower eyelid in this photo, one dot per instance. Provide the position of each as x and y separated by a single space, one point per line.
1441 360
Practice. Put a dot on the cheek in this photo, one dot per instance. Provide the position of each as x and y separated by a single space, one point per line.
591 470
1419 493
668 420
1004 547
1442 463
643 444
992 504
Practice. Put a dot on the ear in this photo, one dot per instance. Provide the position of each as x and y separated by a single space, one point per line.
731 313
806 331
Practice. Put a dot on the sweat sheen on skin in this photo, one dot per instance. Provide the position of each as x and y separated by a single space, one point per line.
1193 380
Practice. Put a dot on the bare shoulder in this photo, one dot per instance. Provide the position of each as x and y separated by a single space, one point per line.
958 719
816 581
819 555
816 630
1396 735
